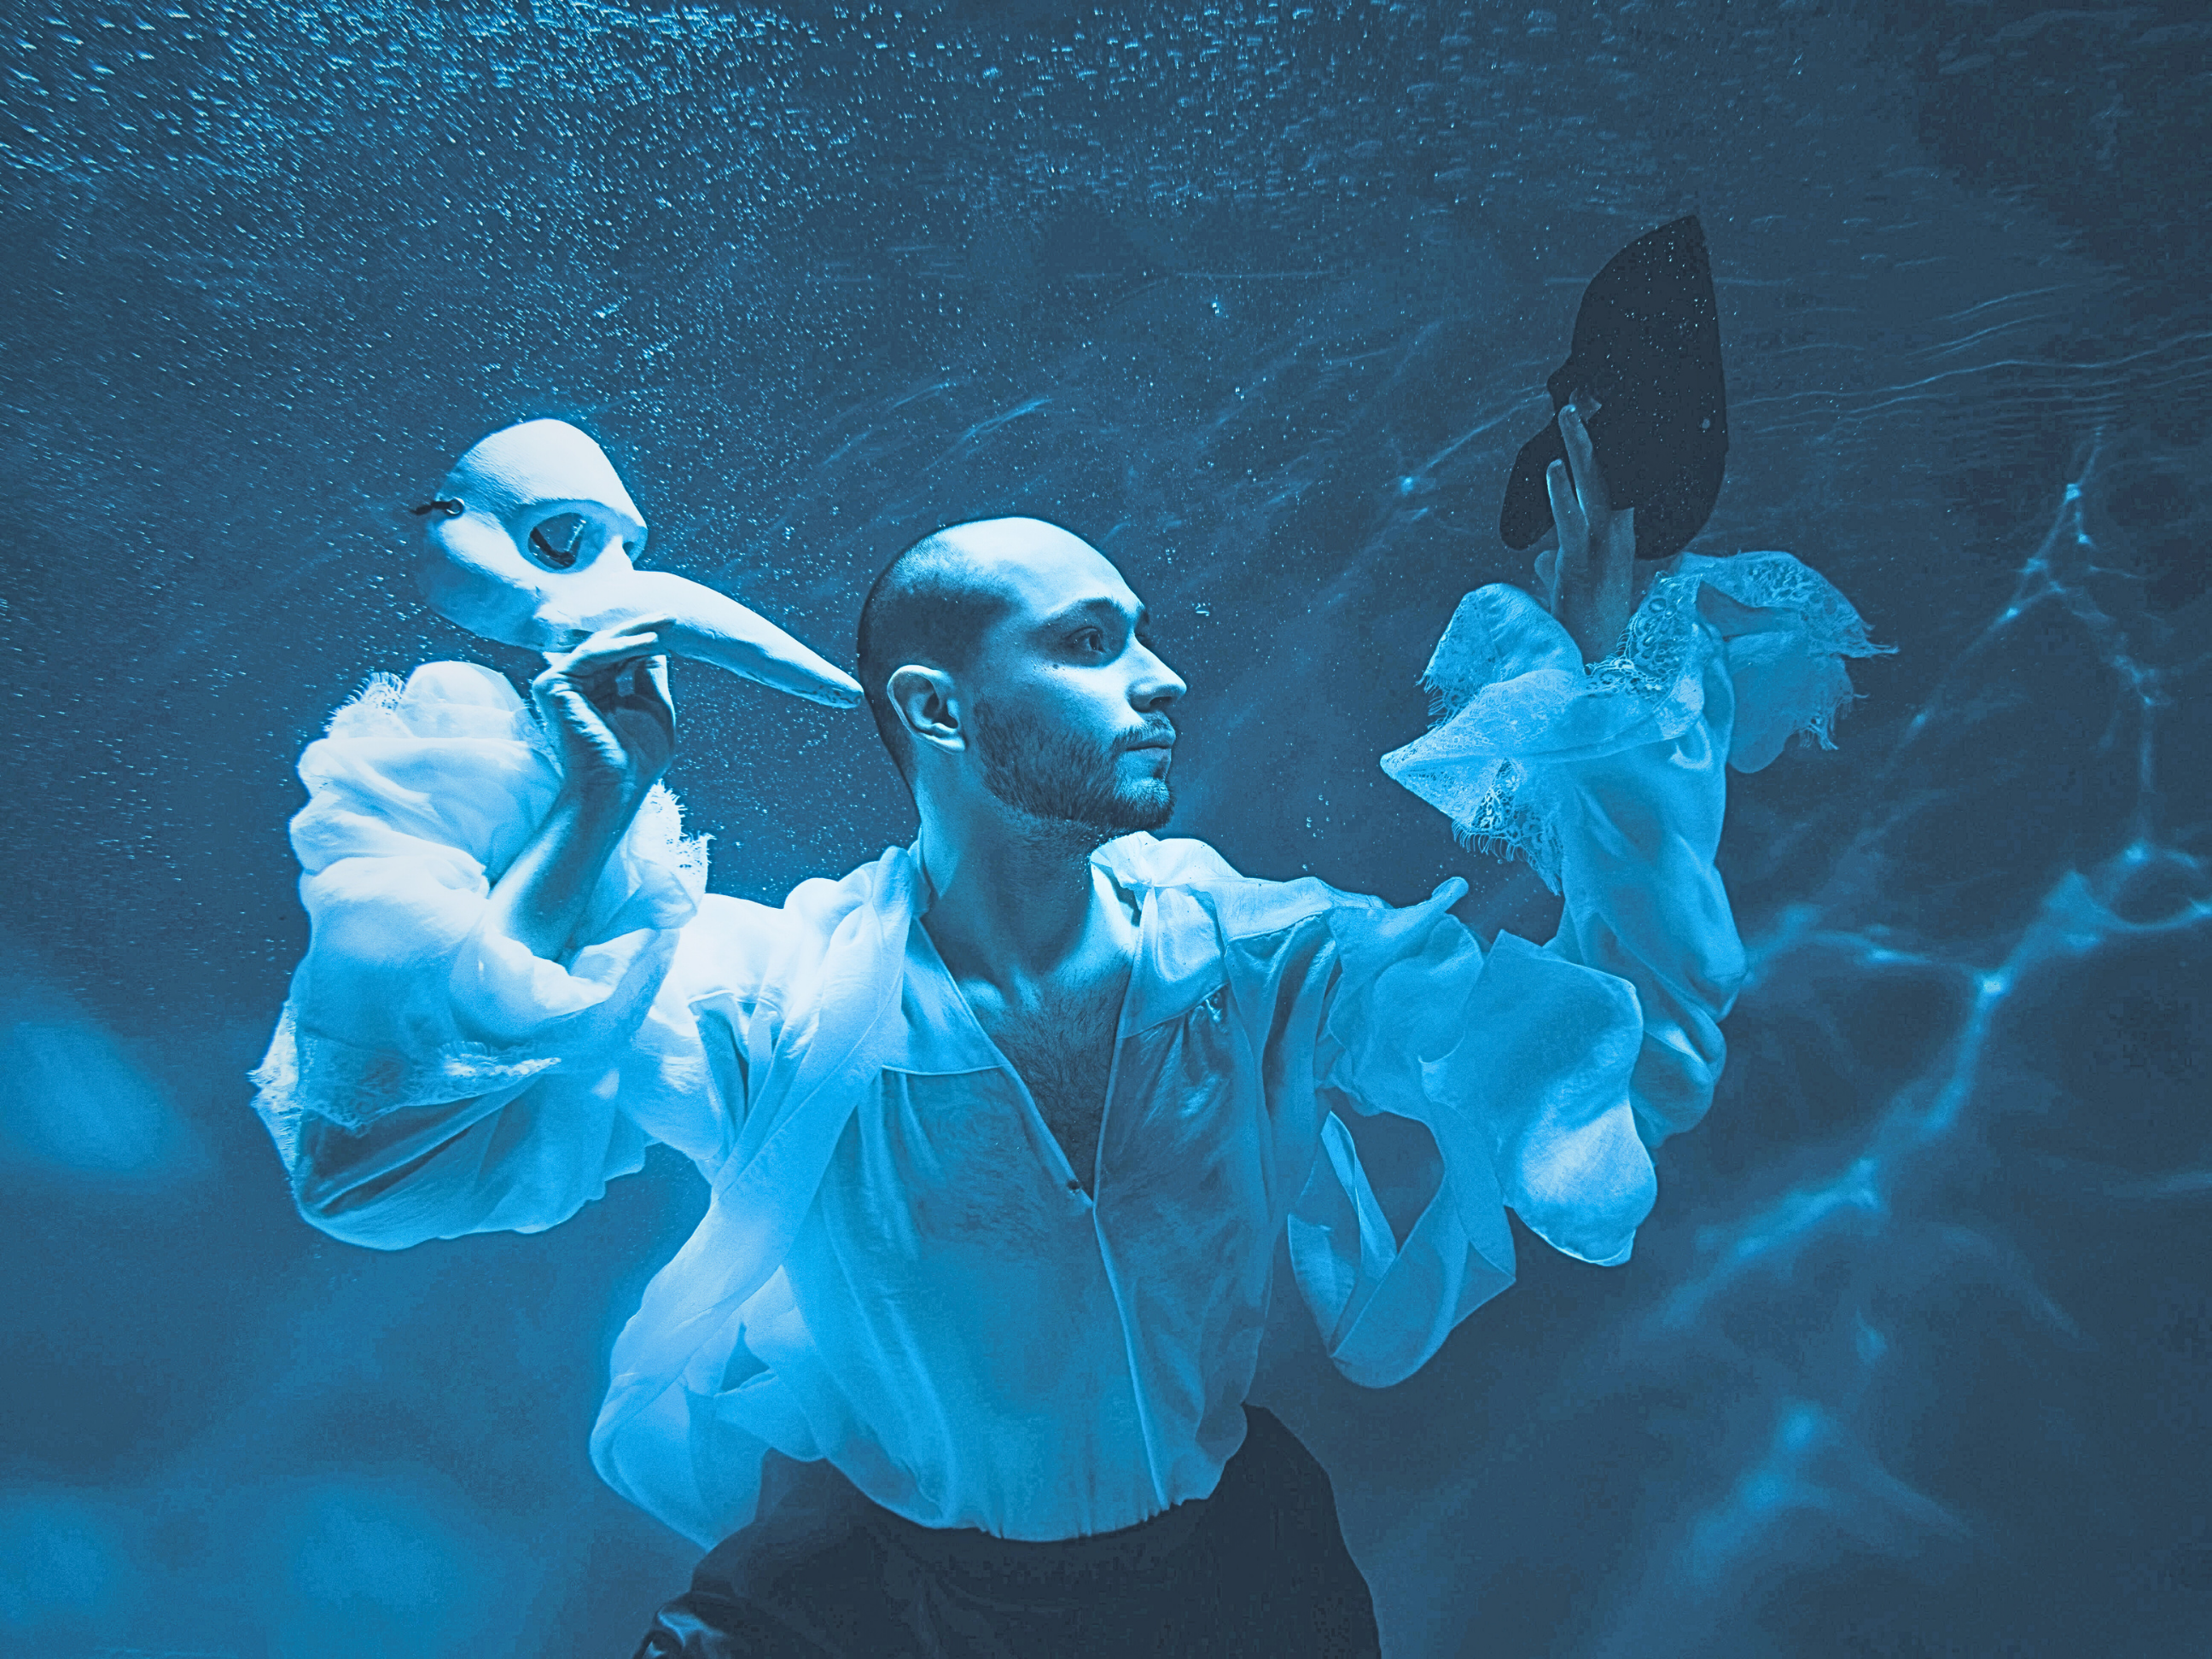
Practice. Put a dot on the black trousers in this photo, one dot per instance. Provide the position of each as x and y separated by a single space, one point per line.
1258 1570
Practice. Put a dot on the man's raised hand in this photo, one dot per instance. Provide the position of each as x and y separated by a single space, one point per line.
606 705
1592 572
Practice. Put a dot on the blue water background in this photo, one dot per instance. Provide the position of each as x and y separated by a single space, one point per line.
1914 1357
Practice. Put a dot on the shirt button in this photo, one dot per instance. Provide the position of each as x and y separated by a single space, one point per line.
1074 1184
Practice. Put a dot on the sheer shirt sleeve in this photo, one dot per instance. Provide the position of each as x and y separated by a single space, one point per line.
428 1079
1610 780
1545 1074
1516 1062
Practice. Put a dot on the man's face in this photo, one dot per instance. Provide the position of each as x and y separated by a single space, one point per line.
1068 704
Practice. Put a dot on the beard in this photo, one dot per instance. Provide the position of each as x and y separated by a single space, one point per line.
1066 780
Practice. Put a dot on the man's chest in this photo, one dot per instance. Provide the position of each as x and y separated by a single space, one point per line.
1062 1046
976 1154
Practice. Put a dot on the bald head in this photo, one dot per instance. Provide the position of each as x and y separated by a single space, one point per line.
1010 673
932 606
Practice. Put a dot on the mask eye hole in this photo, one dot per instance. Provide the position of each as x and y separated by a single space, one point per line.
556 543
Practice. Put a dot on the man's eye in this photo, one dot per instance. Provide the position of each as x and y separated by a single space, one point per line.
1091 639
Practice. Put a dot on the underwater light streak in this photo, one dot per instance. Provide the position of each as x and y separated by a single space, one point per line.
1799 1474
1813 1462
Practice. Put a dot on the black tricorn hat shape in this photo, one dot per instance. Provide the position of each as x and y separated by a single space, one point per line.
1647 349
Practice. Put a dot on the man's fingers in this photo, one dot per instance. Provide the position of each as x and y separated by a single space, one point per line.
1567 514
1590 480
560 699
642 683
606 651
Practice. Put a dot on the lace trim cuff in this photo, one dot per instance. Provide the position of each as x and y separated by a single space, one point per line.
1512 702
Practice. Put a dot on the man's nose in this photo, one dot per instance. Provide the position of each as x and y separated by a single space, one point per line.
1157 684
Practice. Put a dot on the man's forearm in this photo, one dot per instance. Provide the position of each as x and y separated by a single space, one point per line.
539 902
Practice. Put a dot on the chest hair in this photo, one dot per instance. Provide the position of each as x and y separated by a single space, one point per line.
1064 1049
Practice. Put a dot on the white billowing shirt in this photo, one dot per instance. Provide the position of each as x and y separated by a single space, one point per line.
898 1270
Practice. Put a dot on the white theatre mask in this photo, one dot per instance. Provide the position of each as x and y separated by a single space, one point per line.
531 541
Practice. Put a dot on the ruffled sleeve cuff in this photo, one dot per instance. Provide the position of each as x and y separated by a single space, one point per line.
1514 703
1518 1064
419 797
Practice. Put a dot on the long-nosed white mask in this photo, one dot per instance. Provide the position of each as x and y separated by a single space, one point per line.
531 540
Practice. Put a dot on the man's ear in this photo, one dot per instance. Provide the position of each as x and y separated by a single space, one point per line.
929 705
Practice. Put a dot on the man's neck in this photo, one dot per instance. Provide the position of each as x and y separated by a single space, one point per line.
1016 902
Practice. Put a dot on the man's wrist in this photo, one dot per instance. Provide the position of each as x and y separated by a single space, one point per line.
591 808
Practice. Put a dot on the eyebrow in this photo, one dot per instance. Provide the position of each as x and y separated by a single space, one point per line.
1068 613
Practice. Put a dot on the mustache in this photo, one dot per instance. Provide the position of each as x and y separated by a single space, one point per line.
1160 732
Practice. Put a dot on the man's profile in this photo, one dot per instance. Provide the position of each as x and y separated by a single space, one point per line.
1003 1130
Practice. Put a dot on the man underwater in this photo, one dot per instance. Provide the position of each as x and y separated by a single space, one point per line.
1003 1129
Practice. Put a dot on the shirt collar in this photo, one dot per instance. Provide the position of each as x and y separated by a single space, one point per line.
1178 965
